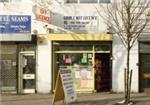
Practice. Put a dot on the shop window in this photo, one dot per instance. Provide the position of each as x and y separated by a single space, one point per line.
27 47
88 1
4 0
105 1
75 59
71 1
143 1
15 0
10 0
103 47
75 48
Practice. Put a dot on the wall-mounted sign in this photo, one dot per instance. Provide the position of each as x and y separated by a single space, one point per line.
42 14
15 24
81 24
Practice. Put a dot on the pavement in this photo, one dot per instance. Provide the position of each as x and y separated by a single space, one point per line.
82 99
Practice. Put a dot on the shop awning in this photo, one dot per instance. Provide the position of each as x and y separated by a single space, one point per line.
78 37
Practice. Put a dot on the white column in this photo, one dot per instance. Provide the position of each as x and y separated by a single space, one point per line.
119 63
44 67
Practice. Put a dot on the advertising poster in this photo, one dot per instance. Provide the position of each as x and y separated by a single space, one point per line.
83 78
68 60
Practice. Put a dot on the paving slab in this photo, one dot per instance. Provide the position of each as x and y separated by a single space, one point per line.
82 99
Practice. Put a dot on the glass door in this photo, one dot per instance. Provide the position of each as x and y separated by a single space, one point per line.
27 70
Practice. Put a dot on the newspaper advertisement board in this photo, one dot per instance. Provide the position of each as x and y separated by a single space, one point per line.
68 85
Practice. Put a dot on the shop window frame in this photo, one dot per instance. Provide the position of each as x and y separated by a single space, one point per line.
88 2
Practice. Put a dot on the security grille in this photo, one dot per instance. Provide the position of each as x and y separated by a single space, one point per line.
8 75
8 68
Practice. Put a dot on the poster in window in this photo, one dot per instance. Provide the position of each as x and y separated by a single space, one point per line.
68 60
84 60
89 55
77 75
84 74
86 83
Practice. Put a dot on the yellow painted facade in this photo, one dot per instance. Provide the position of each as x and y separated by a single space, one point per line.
76 37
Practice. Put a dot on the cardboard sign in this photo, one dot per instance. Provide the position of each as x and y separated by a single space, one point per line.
64 89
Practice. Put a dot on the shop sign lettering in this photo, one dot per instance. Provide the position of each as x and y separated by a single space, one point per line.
81 23
42 14
15 24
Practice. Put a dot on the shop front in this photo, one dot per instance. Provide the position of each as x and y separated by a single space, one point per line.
18 54
88 57
144 55
17 62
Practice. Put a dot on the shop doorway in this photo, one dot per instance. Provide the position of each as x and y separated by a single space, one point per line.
144 66
27 69
145 72
102 72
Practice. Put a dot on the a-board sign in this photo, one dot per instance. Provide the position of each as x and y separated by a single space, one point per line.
64 89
